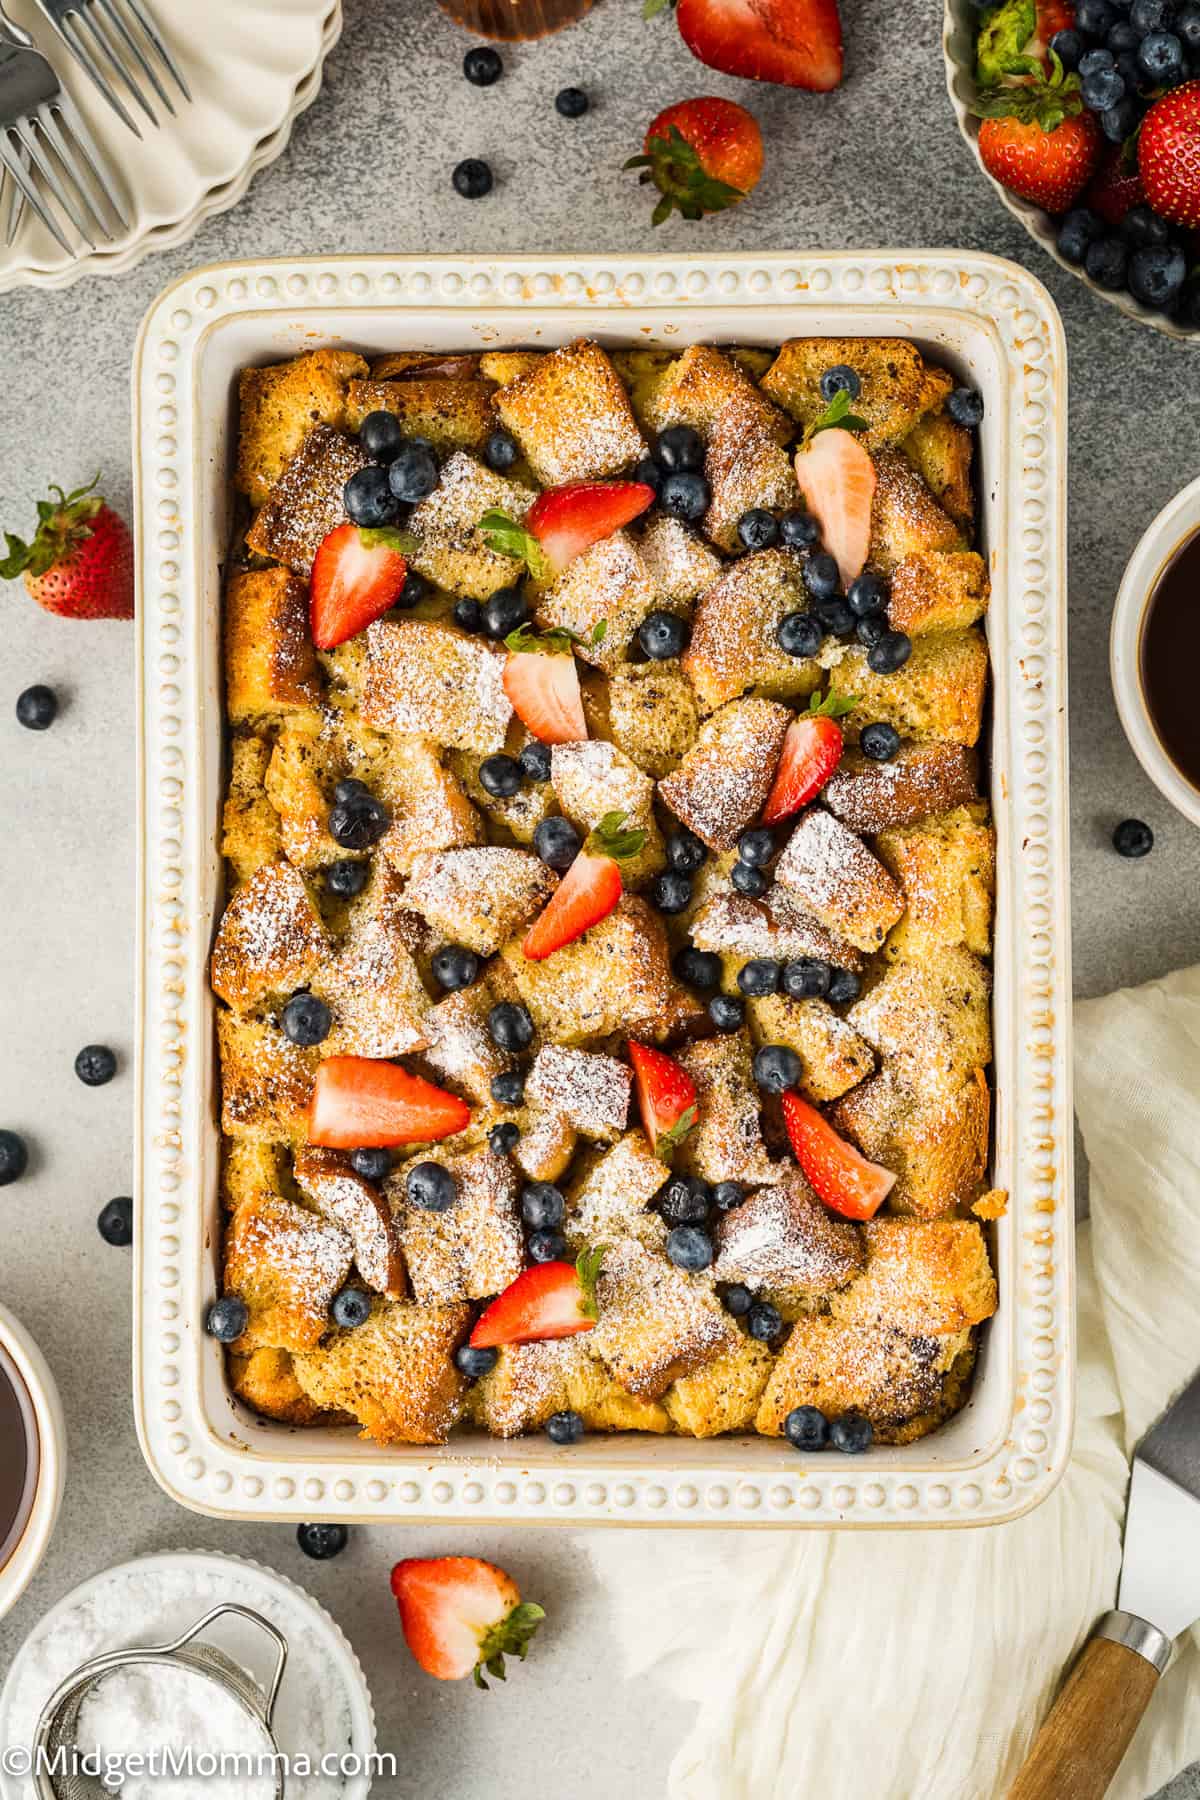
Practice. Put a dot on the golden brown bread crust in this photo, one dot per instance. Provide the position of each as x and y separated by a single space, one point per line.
941 452
919 780
287 1264
249 823
782 1237
897 385
721 784
474 1249
839 879
746 465
904 1385
938 590
602 597
429 680
734 646
611 979
266 1082
946 866
266 1381
305 502
905 517
270 938
926 1277
655 1324
532 1381
723 1394
280 405
936 1143
395 1374
345 1198
726 1142
571 416
833 1056
937 696
652 715
270 665
450 412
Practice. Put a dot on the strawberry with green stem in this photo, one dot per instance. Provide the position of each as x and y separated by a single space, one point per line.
702 155
589 891
666 1098
541 681
79 563
549 1300
565 521
812 750
462 1616
1037 140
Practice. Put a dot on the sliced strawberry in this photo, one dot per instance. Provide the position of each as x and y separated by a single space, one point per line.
550 1300
588 891
836 1172
462 1616
812 750
796 43
542 684
357 1101
666 1097
356 576
837 478
566 521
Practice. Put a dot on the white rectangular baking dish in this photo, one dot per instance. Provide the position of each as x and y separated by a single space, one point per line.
995 325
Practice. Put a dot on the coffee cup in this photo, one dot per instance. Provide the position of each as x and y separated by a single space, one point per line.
32 1458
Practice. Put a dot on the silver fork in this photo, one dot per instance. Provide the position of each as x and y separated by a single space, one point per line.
42 135
98 33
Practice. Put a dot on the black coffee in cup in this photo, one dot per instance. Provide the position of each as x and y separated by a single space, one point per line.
19 1456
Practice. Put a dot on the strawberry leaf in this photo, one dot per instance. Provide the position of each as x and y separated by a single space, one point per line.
386 537
556 642
652 8
1046 100
838 414
667 1142
511 1637
1003 35
507 538
599 631
610 838
675 168
587 1267
833 706
64 521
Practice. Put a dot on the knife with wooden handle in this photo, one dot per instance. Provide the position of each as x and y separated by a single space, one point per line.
1079 1749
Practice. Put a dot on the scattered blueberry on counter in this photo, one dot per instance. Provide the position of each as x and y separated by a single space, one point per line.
115 1222
571 102
37 707
96 1065
472 178
322 1541
1133 837
482 66
226 1318
14 1157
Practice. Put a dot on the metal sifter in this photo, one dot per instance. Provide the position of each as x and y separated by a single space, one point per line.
55 1734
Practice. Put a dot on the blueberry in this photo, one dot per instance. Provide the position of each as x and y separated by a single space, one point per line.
36 708
726 1012
758 977
965 406
680 448
1094 18
684 1202
381 436
689 1248
758 529
430 1187
472 178
728 1194
764 1322
756 846
821 576
1151 15
890 653
225 1320
322 1541
475 1362
115 1223
836 617
1104 88
415 589
482 65
844 987
649 473
1078 229
14 1157
799 530
358 823
542 1205
503 612
535 761
851 1434
373 1164
685 495
699 968
1068 47
1091 60
510 1026
413 473
306 1021
345 879
799 633
508 1088
776 1068
1160 56
368 500
557 842
95 1065
671 892
565 1427
737 1299
500 776
1106 262
751 882
1157 275
868 631
1122 38
662 634
503 1138
879 741
351 1308
547 1246
685 852
840 380
455 967
468 615
1187 29
807 978
867 596
1143 228
1133 837
807 1428
500 451
571 102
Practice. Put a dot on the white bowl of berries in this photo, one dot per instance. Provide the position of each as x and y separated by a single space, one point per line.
1086 116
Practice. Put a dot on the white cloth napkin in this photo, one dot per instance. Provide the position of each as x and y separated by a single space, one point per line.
894 1666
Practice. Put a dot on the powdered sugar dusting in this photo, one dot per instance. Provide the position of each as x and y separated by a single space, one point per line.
782 1237
838 877
590 1090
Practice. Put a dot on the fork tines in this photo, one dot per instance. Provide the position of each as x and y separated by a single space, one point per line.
52 141
119 35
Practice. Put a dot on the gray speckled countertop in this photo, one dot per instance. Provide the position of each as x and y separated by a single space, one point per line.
368 168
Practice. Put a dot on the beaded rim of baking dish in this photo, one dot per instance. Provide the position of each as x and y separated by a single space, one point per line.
212 1468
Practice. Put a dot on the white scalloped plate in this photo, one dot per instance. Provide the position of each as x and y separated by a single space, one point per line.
997 327
252 72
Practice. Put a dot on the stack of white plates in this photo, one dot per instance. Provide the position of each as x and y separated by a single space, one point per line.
252 67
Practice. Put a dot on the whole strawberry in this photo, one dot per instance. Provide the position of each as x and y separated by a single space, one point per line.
702 156
1038 141
80 563
1169 155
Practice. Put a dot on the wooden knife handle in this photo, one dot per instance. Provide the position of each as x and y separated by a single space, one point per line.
1079 1748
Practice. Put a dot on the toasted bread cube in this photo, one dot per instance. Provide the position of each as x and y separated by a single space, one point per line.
305 503
475 1248
926 1277
506 366
450 550
571 416
636 365
270 667
460 1050
546 1145
906 1386
514 815
897 385
279 407
249 823
782 1237
746 465
652 715
721 784
251 1169
371 983
615 975
938 590
946 866
680 1015
429 806
608 586
723 1394
832 1054
327 1181
593 781
532 1381
409 364
681 564
610 1195
266 1381
931 1018
655 1323
589 1090
935 1141
920 779
270 938
839 879
778 927
305 766
266 1082
941 451
433 681
447 411
905 517
938 695
734 645
395 1374
480 897
696 388
726 1142
286 1263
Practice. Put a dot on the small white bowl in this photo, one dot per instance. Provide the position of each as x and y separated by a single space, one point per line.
1178 521
34 1372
